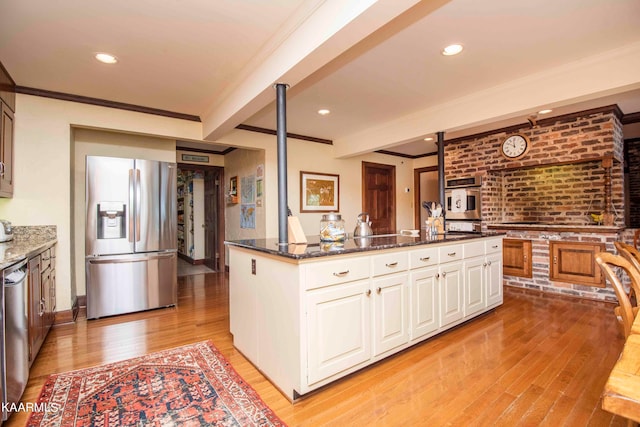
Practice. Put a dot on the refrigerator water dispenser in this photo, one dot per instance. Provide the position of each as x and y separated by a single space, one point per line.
112 219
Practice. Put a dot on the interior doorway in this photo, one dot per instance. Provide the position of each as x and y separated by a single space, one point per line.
201 215
426 185
379 196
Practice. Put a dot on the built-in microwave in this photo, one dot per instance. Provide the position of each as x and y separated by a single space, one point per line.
463 198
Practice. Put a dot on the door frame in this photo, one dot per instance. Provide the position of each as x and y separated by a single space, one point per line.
220 203
416 193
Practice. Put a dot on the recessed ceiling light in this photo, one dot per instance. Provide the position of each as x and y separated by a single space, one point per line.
106 58
547 111
452 49
428 138
323 112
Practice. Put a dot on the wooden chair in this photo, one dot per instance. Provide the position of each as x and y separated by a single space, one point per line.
631 254
625 312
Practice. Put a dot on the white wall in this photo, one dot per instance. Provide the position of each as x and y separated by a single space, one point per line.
243 163
313 157
43 165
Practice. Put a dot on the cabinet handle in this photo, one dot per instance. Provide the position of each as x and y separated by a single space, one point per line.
495 246
341 273
451 254
484 264
555 259
444 274
42 308
437 275
392 264
489 263
425 259
379 290
368 293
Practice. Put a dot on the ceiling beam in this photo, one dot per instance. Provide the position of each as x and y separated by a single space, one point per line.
319 32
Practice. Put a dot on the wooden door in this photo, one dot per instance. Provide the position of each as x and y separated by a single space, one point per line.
574 262
211 237
379 196
517 254
213 214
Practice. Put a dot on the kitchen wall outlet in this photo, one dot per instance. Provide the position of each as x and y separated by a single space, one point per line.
253 266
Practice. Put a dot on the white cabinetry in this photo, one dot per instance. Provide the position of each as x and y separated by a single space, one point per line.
339 328
451 284
390 288
305 323
493 250
424 292
483 275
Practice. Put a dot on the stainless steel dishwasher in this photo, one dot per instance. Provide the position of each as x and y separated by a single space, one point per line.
15 334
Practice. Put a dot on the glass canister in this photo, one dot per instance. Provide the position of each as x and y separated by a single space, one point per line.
332 228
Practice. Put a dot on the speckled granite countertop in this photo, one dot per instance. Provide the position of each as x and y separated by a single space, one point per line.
315 248
27 242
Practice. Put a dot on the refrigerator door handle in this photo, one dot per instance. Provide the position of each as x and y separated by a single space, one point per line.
137 205
118 259
131 183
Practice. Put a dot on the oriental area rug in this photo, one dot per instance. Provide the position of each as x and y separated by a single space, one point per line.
193 385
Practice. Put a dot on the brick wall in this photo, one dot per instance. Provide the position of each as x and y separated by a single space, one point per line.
559 181
540 264
537 191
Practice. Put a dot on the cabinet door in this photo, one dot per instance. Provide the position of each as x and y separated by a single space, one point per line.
45 292
425 302
6 151
339 328
474 285
52 296
451 292
35 308
517 255
494 279
575 262
391 312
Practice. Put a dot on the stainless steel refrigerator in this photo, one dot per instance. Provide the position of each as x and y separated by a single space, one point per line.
131 237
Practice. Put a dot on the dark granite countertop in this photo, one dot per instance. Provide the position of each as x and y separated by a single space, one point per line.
314 248
539 226
27 242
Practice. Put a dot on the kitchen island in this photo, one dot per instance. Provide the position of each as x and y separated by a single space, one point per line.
307 315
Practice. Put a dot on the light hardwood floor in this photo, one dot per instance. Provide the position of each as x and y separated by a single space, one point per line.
536 360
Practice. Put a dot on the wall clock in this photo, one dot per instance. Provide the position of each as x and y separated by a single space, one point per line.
515 146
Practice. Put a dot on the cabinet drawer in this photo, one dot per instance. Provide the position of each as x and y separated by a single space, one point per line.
492 245
472 249
450 253
389 263
337 271
423 258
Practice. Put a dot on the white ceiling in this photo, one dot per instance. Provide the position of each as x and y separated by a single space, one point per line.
375 65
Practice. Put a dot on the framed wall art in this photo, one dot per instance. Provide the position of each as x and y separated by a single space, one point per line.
319 192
